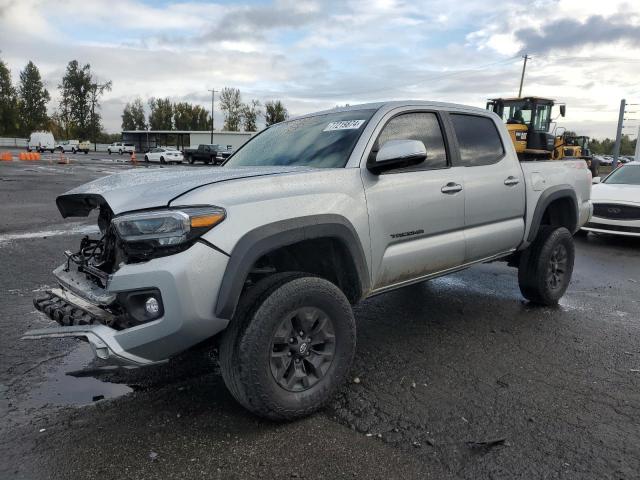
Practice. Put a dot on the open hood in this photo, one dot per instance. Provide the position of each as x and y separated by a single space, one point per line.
150 188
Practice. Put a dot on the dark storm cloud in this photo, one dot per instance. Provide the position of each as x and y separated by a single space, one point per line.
568 33
253 21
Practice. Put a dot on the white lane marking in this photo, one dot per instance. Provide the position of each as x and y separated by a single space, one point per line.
72 229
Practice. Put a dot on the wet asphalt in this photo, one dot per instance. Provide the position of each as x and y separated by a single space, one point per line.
454 378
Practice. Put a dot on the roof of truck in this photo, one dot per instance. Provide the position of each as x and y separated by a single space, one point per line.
399 103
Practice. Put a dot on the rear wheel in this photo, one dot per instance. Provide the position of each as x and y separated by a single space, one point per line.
120 152
546 266
289 346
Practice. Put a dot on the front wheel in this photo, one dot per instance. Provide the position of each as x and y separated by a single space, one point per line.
109 152
546 266
190 159
120 152
289 347
162 160
146 159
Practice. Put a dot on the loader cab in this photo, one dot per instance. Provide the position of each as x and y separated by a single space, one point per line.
528 121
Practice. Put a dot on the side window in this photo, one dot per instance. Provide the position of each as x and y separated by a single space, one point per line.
422 126
478 139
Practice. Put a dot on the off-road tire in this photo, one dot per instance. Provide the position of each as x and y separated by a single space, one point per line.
536 264
246 345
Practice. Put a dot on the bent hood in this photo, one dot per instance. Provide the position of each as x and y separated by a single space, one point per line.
150 188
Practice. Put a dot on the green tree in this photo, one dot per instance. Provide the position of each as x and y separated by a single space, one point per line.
231 105
33 98
75 93
275 112
250 113
8 103
161 114
183 116
133 116
201 118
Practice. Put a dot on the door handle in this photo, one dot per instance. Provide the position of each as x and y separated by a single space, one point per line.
451 187
510 181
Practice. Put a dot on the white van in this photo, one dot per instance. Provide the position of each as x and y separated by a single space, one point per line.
41 141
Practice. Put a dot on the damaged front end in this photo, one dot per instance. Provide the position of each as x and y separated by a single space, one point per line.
142 291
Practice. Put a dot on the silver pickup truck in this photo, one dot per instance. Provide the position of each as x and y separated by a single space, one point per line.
264 256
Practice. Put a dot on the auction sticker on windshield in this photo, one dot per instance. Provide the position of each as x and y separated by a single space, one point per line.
344 125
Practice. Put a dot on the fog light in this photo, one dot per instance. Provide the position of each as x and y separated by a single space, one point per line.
152 306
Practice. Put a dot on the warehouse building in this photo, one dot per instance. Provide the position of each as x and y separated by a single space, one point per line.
181 139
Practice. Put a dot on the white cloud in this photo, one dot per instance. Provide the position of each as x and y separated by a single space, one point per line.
315 54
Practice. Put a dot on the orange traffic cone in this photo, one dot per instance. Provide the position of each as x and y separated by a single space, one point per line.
133 158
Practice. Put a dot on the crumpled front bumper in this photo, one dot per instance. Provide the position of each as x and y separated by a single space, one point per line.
188 282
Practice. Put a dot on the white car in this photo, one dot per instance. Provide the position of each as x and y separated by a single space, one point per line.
164 155
119 147
616 202
68 146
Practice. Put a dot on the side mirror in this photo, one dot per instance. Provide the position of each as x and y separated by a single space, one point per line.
595 180
563 110
398 154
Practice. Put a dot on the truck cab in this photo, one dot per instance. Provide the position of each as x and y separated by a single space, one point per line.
528 121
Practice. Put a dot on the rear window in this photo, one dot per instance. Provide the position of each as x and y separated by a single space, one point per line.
478 140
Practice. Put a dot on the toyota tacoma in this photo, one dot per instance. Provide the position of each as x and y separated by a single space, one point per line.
264 257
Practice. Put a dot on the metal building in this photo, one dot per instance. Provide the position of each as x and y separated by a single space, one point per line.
181 139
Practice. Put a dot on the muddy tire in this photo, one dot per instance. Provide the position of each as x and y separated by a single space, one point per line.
546 266
289 346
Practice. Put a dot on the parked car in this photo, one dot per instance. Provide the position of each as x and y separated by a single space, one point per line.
222 155
121 148
314 214
164 155
616 202
68 146
41 141
206 153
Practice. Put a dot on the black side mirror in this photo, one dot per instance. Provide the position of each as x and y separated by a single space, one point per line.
563 110
397 154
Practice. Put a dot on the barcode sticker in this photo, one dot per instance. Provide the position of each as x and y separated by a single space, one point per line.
344 125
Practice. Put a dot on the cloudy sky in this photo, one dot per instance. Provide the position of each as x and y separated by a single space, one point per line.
317 54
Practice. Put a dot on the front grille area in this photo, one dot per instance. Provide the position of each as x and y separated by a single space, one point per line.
615 211
613 228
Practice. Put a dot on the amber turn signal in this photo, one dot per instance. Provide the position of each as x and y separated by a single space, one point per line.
206 221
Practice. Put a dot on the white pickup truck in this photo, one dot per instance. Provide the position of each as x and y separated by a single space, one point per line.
266 254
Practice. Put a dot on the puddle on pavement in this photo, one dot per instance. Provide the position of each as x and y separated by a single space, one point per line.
61 389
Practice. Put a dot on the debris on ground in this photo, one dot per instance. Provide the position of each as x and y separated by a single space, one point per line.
153 456
486 445
356 380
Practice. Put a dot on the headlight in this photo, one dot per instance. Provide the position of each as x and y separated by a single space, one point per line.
168 227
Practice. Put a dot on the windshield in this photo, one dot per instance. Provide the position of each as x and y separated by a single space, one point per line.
321 141
627 175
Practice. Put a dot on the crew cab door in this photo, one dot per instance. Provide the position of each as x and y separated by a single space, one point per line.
494 187
416 214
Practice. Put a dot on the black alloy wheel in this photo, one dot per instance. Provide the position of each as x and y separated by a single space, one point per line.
303 348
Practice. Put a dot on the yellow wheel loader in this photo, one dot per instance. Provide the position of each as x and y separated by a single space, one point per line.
528 121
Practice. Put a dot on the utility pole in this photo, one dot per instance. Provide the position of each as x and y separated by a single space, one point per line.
636 155
524 67
213 92
616 147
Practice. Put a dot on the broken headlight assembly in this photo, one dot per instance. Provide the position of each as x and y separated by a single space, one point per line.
157 233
